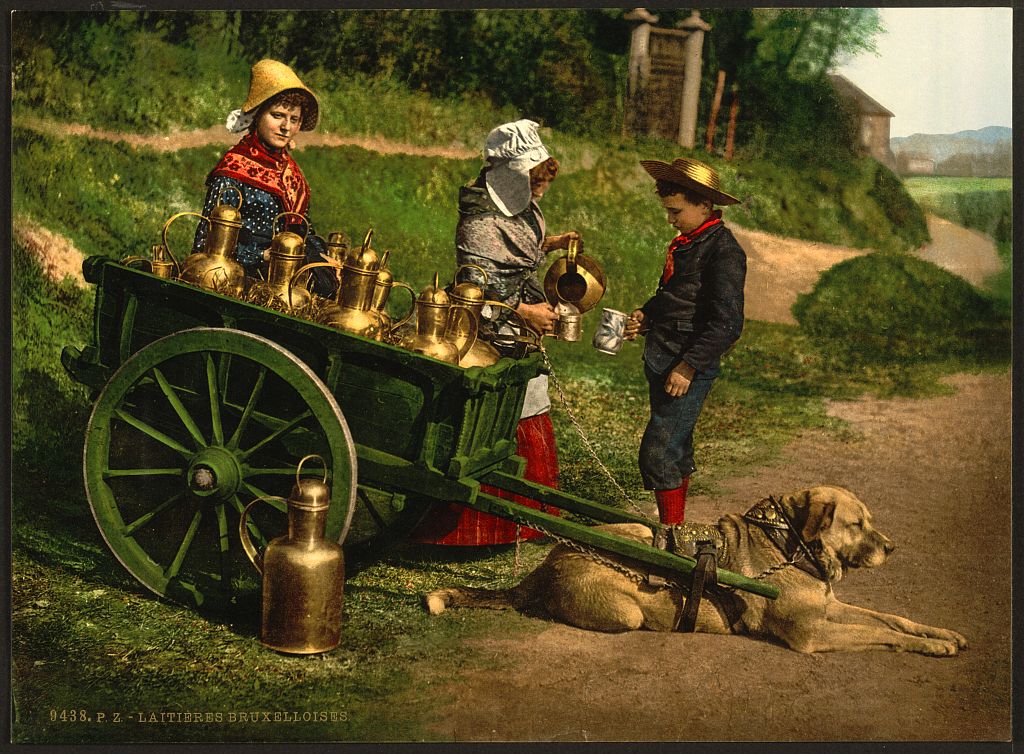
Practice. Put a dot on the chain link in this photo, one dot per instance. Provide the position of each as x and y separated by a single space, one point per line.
586 441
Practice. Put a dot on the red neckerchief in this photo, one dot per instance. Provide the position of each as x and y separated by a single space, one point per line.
684 238
249 161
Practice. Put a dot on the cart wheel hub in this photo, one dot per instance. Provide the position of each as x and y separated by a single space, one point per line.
214 473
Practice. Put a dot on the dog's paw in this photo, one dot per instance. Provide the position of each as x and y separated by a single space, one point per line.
939 648
960 639
434 603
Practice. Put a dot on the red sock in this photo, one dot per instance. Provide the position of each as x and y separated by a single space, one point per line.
672 503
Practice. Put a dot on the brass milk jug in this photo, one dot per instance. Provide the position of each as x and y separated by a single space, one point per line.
437 323
471 296
382 288
287 253
353 311
575 279
303 573
159 264
216 268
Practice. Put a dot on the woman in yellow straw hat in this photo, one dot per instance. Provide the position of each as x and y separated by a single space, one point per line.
261 166
691 321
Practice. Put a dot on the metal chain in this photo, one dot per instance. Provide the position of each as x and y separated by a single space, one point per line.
586 441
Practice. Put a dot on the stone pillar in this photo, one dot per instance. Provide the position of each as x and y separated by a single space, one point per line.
696 27
639 63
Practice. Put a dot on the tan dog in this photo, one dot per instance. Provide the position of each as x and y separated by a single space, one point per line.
836 533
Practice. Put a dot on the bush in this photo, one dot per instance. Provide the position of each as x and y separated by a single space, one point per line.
884 308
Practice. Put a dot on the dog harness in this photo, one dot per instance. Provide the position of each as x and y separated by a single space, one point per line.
770 516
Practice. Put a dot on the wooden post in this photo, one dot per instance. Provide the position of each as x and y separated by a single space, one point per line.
696 27
639 66
709 144
730 136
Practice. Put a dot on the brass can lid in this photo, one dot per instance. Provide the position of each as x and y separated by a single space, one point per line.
288 244
310 495
467 293
226 214
365 259
433 294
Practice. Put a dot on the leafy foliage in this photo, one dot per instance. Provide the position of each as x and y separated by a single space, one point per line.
884 308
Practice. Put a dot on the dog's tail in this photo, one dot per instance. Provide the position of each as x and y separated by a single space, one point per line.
438 601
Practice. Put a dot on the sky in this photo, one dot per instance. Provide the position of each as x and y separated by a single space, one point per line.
940 70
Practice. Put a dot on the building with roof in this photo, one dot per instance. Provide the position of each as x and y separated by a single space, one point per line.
872 120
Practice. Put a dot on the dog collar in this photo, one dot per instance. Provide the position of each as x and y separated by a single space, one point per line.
769 516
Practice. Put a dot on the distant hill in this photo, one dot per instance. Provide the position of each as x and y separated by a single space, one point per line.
985 152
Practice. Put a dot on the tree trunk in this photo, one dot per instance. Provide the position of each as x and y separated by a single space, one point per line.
715 104
730 136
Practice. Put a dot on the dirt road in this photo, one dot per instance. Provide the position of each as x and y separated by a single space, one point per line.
936 474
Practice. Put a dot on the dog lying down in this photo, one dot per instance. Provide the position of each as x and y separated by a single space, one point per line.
837 534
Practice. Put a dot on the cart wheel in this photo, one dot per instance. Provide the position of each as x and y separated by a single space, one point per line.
186 432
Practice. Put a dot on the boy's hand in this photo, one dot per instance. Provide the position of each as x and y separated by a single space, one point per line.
560 241
678 381
634 325
541 317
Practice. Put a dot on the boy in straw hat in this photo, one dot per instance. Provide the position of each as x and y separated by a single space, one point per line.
279 105
691 321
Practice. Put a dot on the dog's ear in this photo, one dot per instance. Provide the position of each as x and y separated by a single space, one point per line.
819 517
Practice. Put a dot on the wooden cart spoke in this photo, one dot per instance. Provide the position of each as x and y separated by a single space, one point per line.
152 432
179 408
186 543
276 434
284 471
147 517
267 497
116 473
250 405
254 530
224 540
216 427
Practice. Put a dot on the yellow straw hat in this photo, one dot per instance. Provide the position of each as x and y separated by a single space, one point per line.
271 77
691 174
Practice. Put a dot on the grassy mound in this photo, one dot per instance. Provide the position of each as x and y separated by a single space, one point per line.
895 308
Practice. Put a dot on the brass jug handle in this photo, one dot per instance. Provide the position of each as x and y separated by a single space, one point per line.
241 196
163 233
298 471
243 532
570 256
487 278
305 268
412 308
522 320
293 214
458 310
366 239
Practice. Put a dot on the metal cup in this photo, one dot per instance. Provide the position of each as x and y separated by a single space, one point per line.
610 332
569 326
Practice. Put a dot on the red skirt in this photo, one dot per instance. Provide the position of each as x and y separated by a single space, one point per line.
454 524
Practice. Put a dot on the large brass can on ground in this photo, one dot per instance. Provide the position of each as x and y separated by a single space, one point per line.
303 574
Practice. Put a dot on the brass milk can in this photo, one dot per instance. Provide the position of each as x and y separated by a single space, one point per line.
471 296
353 311
437 323
382 288
160 263
279 291
303 573
216 268
575 279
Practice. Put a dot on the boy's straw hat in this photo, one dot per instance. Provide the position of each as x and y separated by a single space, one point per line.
692 174
271 77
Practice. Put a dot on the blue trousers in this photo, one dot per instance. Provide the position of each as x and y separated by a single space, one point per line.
666 450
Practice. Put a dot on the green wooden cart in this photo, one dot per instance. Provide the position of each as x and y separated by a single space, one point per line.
204 402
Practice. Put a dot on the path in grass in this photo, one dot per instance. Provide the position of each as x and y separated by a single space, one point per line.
779 269
936 474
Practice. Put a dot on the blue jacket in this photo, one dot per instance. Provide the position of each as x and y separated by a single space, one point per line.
698 314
